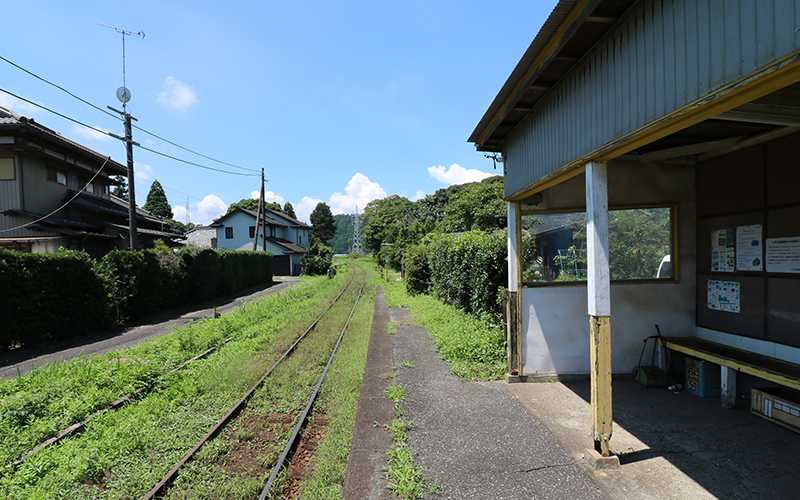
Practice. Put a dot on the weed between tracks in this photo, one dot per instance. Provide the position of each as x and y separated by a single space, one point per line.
123 454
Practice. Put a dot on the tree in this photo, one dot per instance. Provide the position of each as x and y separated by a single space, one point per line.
288 209
324 228
157 203
343 241
121 189
252 204
478 206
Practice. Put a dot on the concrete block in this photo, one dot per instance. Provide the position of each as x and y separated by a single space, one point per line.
515 379
599 462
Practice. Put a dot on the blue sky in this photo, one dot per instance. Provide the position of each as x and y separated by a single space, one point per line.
341 102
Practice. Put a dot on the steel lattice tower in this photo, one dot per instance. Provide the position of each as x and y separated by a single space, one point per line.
357 232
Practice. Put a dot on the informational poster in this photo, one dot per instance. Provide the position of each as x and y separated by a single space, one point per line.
783 255
749 248
723 296
723 251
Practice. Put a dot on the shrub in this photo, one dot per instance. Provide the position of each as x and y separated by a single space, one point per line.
317 260
417 271
468 270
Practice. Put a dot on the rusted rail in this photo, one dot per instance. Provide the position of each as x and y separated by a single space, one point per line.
160 487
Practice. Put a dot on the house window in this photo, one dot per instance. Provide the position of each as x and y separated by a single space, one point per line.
56 175
7 169
89 186
272 231
252 231
640 240
228 233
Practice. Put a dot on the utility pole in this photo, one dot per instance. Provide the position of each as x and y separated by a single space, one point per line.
124 95
259 214
264 212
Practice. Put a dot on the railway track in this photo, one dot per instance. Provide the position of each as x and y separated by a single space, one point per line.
312 360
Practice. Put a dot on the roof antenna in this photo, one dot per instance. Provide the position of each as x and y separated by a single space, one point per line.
123 94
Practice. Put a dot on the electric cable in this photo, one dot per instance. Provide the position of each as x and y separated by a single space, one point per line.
62 206
118 118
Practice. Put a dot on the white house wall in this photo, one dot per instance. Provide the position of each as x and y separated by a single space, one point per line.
554 321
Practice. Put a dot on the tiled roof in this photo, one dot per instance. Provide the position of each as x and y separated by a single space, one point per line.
286 244
10 119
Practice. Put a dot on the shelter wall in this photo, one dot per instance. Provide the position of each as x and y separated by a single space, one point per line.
757 186
554 318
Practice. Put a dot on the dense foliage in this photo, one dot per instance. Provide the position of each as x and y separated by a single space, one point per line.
342 242
468 270
46 297
157 203
417 271
322 222
317 259
288 209
252 204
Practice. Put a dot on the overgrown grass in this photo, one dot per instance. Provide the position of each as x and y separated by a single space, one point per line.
123 454
474 347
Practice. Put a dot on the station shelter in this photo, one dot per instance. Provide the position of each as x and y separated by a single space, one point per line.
651 151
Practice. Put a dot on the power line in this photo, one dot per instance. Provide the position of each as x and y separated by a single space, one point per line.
101 131
117 117
65 204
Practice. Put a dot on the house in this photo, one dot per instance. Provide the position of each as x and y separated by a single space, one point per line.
202 236
677 120
55 192
286 238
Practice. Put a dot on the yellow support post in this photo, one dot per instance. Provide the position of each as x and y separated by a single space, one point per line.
600 358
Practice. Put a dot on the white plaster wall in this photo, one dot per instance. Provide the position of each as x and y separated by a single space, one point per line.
554 318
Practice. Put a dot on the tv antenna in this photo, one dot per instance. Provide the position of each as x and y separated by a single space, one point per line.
123 94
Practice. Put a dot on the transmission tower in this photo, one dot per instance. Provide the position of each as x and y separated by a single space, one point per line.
357 232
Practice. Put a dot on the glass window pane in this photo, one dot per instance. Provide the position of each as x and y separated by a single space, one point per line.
640 245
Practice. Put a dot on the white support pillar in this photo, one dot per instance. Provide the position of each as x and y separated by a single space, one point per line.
514 253
599 300
728 381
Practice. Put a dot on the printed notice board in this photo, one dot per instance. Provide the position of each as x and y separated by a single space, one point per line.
783 255
749 248
723 251
724 296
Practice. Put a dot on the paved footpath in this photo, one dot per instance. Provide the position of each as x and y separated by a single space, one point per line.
471 438
13 363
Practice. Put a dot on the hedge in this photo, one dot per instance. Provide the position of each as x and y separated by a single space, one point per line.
468 270
48 297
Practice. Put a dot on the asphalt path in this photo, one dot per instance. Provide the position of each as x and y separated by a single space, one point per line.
20 362
472 440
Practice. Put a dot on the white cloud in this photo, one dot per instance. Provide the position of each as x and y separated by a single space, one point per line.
89 134
144 178
358 192
179 213
17 105
305 207
419 195
209 209
456 174
269 196
178 96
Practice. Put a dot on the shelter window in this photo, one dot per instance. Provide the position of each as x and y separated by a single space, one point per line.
7 169
228 233
640 240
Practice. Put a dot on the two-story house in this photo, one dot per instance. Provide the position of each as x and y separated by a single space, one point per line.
55 192
286 237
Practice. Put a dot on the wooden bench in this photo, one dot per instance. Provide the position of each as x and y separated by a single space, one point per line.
731 360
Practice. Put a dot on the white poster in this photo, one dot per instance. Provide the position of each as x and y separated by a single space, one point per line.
723 296
722 251
783 255
749 248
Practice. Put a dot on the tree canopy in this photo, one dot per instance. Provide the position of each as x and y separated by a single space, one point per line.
288 209
252 204
120 190
322 222
157 203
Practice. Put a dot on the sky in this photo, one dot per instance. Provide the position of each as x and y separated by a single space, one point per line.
339 102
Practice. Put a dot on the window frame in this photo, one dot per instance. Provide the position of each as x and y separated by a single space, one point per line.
674 251
229 232
13 169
